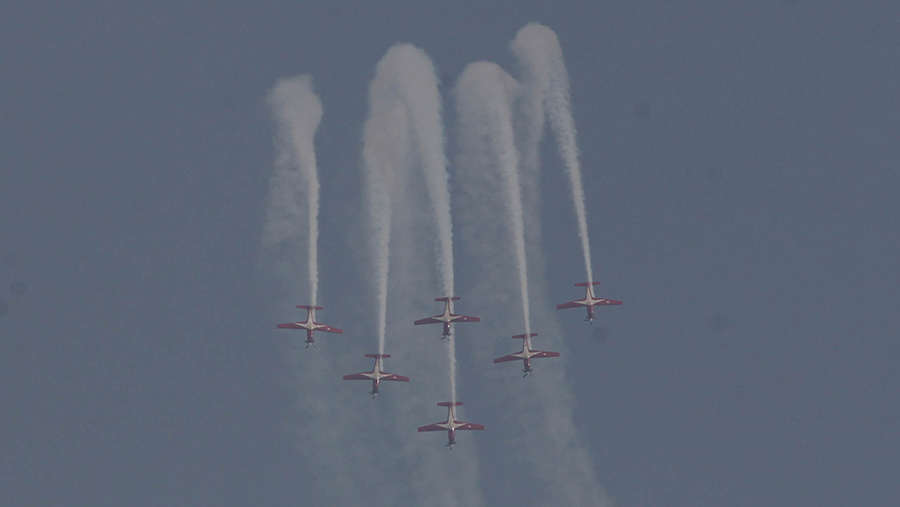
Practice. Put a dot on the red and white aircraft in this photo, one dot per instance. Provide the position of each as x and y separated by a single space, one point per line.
446 318
310 325
376 375
451 425
589 301
526 355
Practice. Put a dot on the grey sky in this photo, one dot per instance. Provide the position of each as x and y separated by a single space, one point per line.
741 181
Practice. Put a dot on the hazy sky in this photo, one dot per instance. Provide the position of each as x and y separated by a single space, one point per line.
740 168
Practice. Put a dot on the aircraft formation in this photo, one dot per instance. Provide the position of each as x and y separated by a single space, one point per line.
451 425
393 103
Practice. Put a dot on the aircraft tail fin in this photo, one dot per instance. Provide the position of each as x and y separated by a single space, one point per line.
521 336
585 284
307 307
456 298
376 356
449 404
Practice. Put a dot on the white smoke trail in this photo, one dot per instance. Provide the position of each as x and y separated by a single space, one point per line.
552 466
484 101
385 146
419 90
298 112
538 50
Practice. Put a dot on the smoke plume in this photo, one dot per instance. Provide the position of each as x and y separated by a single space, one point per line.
484 96
297 111
540 55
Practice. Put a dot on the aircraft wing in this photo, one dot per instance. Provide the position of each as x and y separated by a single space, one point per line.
290 325
570 304
506 359
470 426
356 376
605 302
466 318
328 329
432 427
398 378
542 353
428 320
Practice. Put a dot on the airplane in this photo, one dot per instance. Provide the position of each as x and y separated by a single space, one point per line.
526 355
376 375
310 325
451 424
589 301
446 318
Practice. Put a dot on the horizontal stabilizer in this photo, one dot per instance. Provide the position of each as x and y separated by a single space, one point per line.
449 403
306 307
585 284
447 299
376 356
520 336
